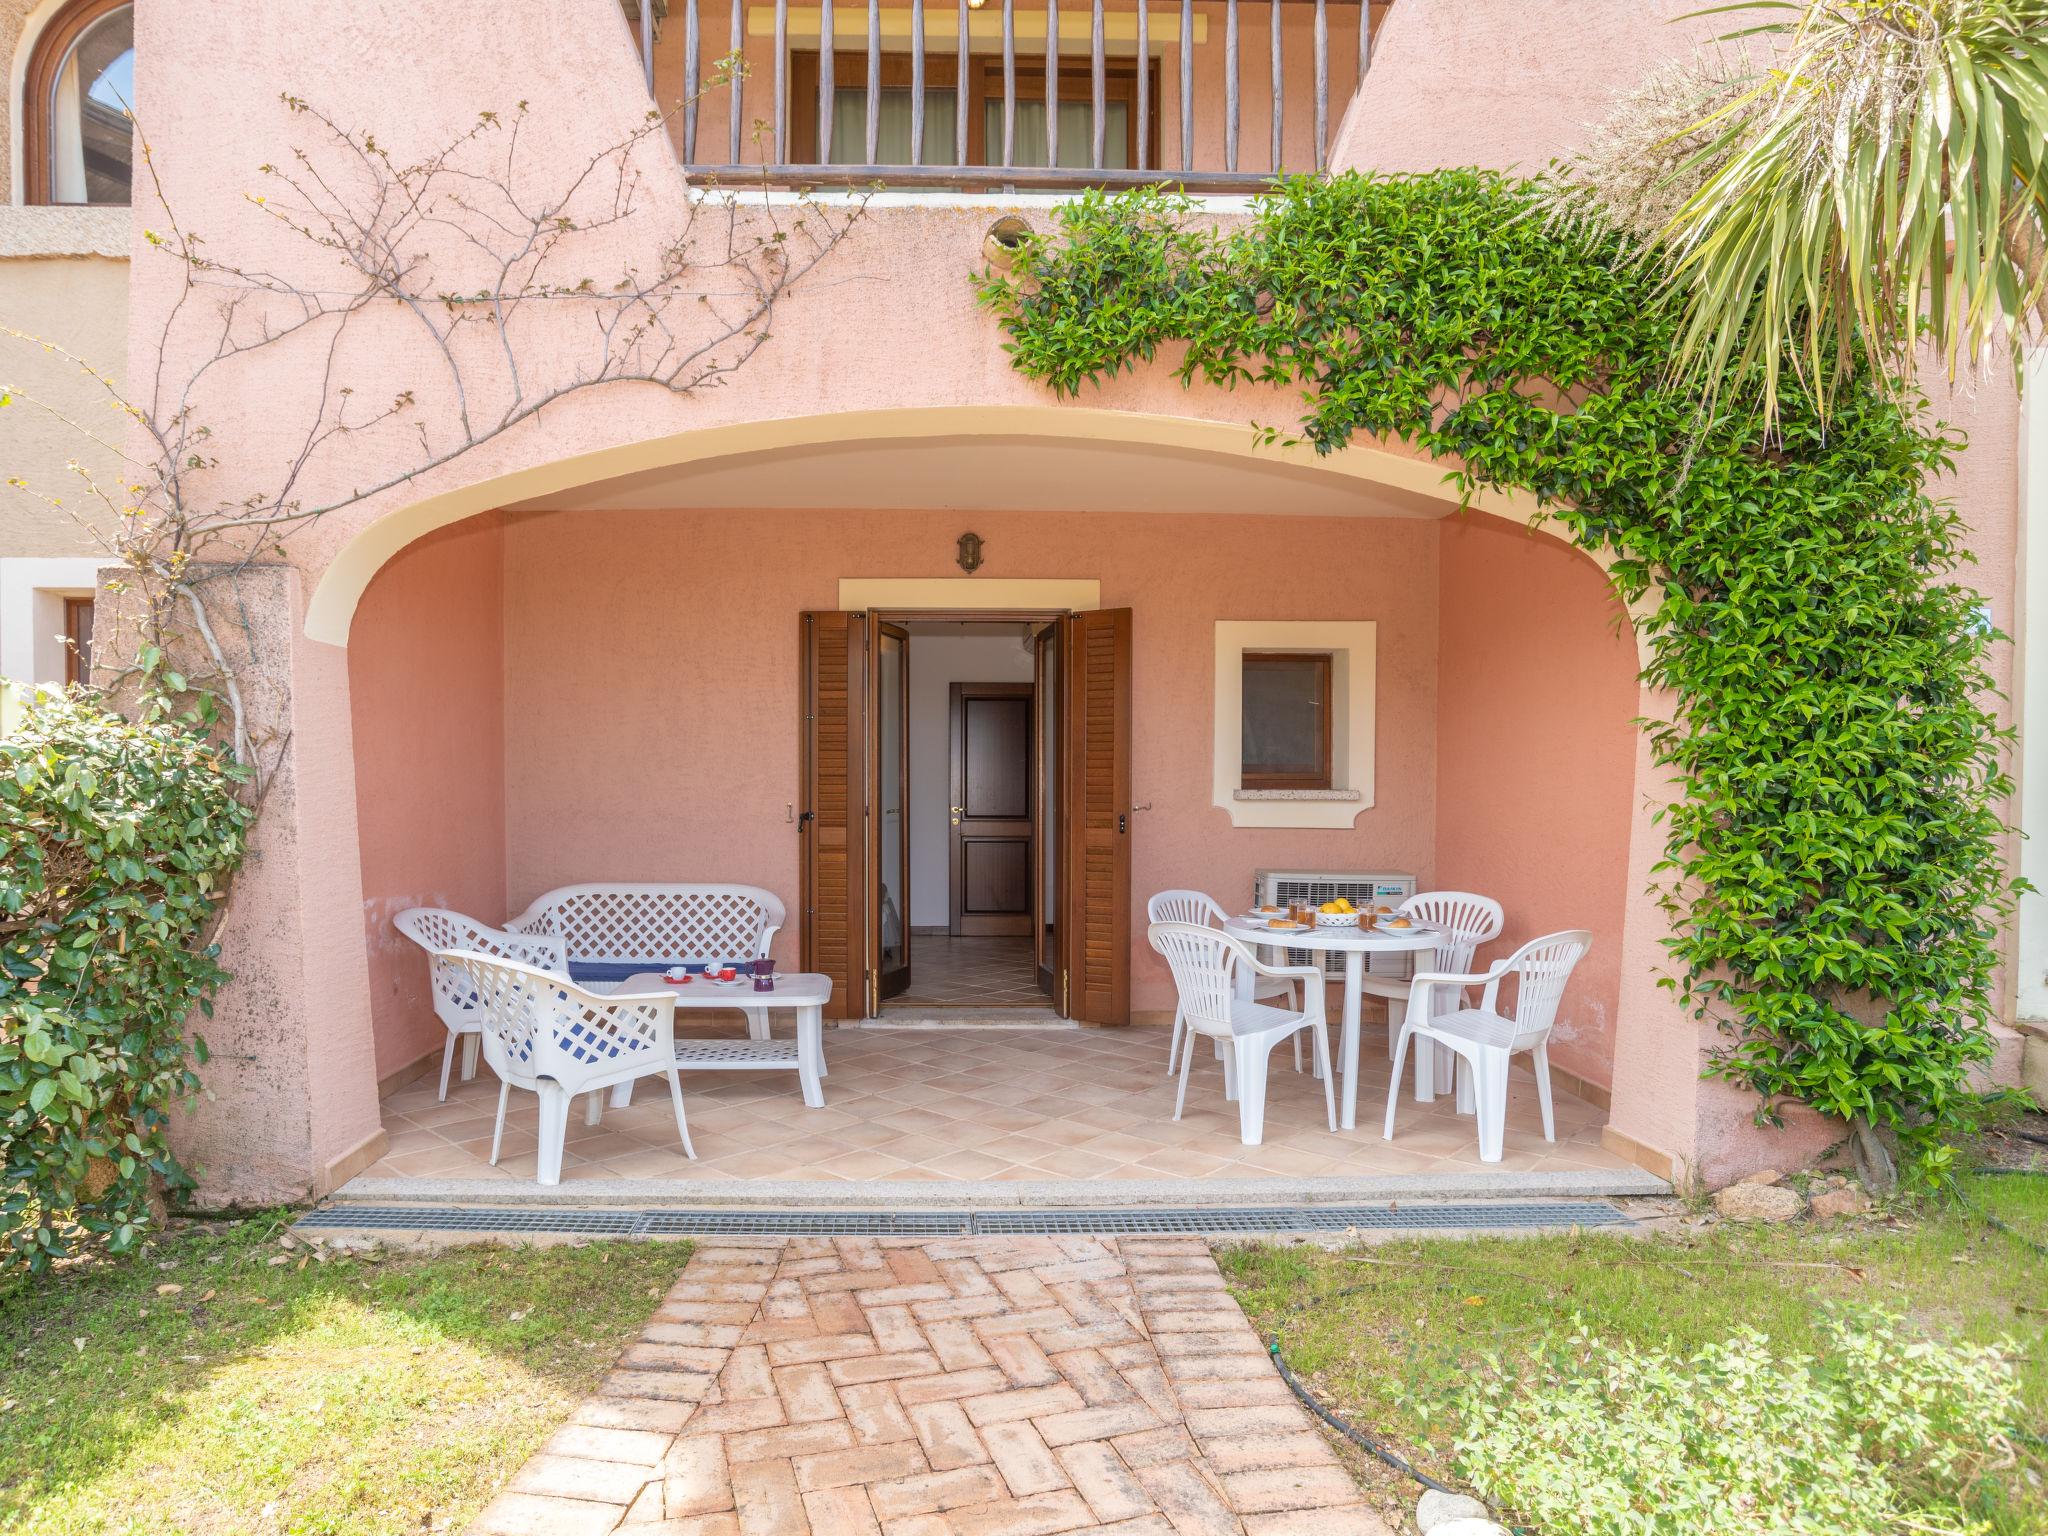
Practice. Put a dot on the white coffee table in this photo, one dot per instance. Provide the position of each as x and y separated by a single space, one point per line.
803 992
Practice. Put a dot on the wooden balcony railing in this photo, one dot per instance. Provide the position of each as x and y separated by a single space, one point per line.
979 94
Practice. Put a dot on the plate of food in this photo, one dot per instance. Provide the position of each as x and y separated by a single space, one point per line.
1281 924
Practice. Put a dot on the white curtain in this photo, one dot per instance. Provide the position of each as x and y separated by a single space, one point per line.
1077 144
67 143
892 126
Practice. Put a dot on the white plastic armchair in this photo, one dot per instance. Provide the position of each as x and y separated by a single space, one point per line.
1466 921
1484 1040
436 929
1205 962
1198 907
545 1034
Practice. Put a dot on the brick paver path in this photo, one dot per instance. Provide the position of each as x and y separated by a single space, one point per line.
979 1386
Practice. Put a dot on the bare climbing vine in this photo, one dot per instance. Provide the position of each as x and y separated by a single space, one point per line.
513 290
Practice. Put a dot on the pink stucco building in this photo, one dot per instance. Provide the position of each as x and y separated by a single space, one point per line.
576 651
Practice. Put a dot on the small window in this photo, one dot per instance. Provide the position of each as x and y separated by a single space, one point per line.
77 95
78 639
1286 720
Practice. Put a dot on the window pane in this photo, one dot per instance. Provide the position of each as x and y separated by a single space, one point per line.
1284 702
1077 145
892 126
92 142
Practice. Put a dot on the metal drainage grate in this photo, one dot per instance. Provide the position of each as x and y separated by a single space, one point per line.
1517 1215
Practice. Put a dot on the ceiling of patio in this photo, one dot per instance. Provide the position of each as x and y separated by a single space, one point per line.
998 474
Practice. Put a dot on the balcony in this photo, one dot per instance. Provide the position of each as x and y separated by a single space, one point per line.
1217 96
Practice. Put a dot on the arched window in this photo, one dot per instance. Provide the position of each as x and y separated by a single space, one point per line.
78 145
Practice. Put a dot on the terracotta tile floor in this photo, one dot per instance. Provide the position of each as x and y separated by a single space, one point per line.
971 973
969 1387
983 1104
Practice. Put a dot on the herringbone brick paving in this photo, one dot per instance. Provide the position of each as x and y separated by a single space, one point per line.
983 1386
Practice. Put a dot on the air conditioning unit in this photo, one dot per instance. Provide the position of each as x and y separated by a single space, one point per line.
1386 887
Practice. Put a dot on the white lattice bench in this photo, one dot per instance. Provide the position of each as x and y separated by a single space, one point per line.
803 992
613 930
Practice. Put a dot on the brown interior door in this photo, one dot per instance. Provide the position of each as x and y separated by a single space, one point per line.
1095 813
991 736
833 823
889 646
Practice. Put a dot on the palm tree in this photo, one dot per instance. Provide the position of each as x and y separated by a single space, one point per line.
1838 184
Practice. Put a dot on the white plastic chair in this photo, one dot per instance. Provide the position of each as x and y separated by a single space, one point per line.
543 1033
1197 907
1485 1041
436 929
1467 921
1205 963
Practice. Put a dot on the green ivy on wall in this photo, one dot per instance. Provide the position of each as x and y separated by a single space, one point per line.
1832 864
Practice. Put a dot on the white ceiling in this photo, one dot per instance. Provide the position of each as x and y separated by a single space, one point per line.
998 474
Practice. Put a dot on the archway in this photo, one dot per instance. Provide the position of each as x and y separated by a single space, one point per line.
567 645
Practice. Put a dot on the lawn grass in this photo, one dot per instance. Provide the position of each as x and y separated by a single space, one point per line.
1393 1355
201 1388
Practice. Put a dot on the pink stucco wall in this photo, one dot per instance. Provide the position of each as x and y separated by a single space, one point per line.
1536 686
425 682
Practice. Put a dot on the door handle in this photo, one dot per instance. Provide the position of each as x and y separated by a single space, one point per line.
958 811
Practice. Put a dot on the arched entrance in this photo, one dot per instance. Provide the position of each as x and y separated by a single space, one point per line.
598 680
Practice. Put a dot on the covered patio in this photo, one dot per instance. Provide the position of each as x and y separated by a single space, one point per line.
1485 681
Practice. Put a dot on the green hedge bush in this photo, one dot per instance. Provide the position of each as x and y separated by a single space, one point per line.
1885 1431
116 840
1833 862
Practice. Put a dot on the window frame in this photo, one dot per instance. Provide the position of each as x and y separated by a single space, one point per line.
38 92
1322 774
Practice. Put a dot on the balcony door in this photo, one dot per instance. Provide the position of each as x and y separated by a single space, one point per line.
984 111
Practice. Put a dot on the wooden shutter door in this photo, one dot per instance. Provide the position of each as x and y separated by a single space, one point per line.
834 786
1095 895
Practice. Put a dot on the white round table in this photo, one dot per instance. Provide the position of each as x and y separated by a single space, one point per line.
1354 944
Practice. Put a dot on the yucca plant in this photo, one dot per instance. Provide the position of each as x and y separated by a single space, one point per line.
1841 181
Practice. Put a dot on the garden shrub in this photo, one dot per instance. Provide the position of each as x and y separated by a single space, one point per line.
1883 1432
116 840
1833 862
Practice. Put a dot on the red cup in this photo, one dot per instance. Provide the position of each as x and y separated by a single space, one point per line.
727 973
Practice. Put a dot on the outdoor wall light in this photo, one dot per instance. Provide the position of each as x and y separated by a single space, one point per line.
970 552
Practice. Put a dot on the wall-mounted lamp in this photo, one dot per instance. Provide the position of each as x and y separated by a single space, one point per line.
970 552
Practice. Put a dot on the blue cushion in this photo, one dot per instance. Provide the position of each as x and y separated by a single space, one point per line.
619 970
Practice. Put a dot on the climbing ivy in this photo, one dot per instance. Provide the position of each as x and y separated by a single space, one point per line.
1832 865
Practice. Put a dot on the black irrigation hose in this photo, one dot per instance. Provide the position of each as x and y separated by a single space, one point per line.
2029 1136
1349 1431
1358 1437
1996 1225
